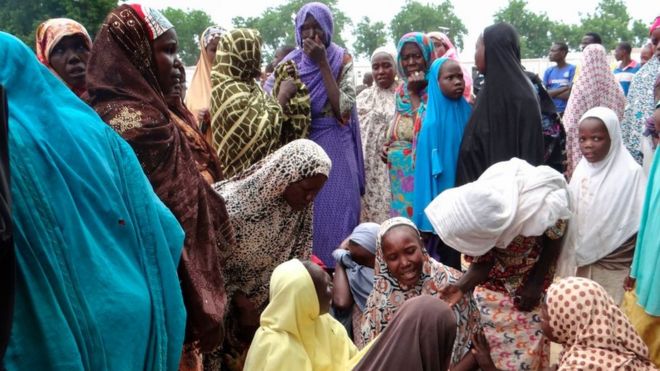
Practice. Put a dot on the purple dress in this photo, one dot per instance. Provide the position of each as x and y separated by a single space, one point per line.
337 205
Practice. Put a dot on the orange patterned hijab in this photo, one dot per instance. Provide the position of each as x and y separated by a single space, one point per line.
52 31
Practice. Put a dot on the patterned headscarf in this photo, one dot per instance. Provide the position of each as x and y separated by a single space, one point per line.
247 124
52 31
258 212
403 103
594 87
123 88
388 294
154 20
210 34
592 328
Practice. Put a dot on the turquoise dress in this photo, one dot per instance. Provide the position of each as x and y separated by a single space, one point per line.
97 251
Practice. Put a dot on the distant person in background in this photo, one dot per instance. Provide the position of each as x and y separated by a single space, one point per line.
198 98
558 79
590 38
282 52
63 46
367 82
626 68
376 106
646 53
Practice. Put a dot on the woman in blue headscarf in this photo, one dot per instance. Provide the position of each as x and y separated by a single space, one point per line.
414 57
327 71
438 143
96 250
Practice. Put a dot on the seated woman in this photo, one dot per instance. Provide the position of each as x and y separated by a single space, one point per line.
403 271
507 223
63 45
131 69
296 332
354 274
270 209
248 124
580 315
96 250
607 194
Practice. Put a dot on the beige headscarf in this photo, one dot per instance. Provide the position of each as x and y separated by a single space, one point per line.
198 97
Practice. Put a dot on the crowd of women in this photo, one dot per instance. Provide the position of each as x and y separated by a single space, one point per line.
280 222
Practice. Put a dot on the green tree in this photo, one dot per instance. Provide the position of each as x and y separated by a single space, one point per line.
534 29
189 24
369 37
415 16
613 23
21 18
277 27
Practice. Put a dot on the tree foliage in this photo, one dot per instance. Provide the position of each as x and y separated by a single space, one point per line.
369 37
415 16
277 27
537 32
189 24
21 17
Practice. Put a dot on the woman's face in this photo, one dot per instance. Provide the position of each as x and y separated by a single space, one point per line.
402 251
655 41
382 69
69 59
412 59
451 80
480 55
165 48
439 46
211 48
311 29
301 193
594 139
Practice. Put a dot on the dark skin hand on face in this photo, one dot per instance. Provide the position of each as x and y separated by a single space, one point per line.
439 47
211 48
313 46
69 60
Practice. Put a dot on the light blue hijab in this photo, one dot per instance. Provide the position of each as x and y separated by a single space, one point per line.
438 144
97 251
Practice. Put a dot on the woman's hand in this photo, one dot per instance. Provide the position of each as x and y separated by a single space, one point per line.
451 294
383 152
315 49
287 91
529 296
629 283
481 352
417 82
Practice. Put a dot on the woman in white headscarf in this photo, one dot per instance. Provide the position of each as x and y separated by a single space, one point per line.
375 107
509 224
607 195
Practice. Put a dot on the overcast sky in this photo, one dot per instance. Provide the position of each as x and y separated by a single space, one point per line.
475 14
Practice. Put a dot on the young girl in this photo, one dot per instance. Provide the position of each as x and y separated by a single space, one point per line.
438 143
607 193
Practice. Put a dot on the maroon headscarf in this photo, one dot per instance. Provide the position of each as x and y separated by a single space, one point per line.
123 88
